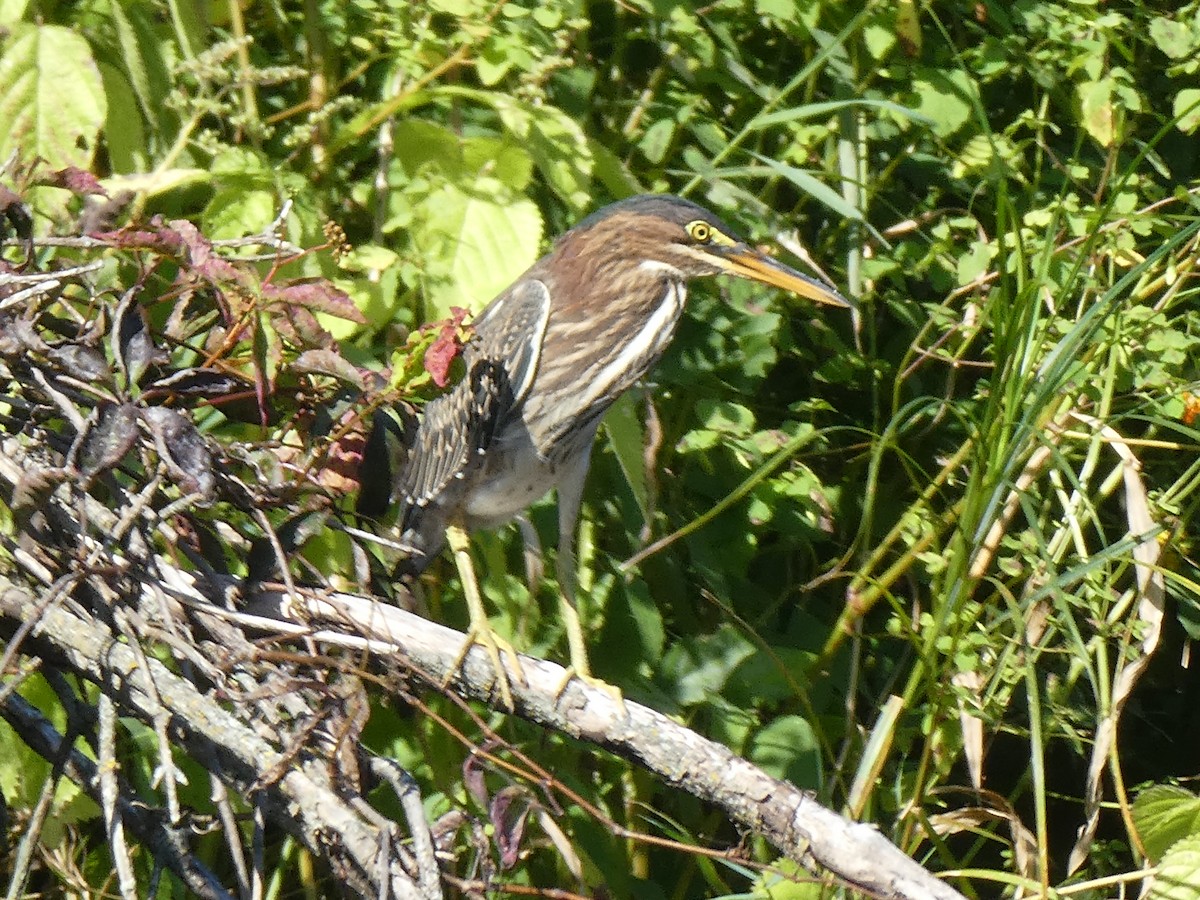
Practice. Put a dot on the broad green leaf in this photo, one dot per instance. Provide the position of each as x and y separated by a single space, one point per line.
879 39
147 77
788 749
558 147
420 144
759 681
1186 109
1173 38
627 439
1096 105
190 26
51 97
477 241
697 668
785 879
555 141
944 99
375 298
657 140
368 257
974 263
633 635
236 212
612 172
1165 814
723 416
1178 876
124 136
12 11
492 64
501 159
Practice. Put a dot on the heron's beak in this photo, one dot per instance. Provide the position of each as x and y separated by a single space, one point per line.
749 263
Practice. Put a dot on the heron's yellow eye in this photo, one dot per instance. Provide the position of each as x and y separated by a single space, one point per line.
700 231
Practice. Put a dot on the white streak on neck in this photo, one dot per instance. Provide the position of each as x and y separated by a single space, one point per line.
644 348
654 265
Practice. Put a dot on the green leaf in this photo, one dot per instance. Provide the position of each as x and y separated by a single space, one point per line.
478 241
697 668
1186 110
827 107
123 133
725 417
788 749
809 184
554 140
786 879
611 171
944 99
420 144
12 11
1099 115
559 148
456 8
368 257
1178 876
51 97
973 264
502 159
633 635
236 212
879 39
657 140
132 59
1173 38
1165 814
627 438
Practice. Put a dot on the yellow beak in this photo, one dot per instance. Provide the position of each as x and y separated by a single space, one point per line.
745 262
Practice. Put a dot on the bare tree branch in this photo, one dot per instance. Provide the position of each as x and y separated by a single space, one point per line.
789 818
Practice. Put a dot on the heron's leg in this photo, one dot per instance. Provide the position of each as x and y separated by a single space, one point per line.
534 568
570 498
480 632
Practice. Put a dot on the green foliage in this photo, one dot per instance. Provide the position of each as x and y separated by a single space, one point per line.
962 501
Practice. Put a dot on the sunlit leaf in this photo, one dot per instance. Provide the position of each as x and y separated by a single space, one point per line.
1165 814
480 240
51 96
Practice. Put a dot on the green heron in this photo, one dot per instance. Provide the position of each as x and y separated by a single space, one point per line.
547 358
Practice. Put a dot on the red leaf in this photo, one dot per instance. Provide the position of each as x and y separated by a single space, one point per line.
157 237
319 296
204 261
441 354
75 180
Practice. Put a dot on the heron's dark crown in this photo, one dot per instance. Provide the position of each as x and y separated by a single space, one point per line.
650 228
667 207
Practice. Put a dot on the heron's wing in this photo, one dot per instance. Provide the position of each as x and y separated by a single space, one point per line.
502 360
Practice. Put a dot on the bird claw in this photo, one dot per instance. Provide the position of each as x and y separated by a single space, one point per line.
600 684
494 646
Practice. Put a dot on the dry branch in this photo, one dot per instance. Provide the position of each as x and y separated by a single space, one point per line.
119 561
789 818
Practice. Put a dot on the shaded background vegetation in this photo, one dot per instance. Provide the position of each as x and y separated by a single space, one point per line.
910 578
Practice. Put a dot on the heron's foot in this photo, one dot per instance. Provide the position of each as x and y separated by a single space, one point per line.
494 646
591 681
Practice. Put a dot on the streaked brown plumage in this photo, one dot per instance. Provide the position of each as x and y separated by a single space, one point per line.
547 359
